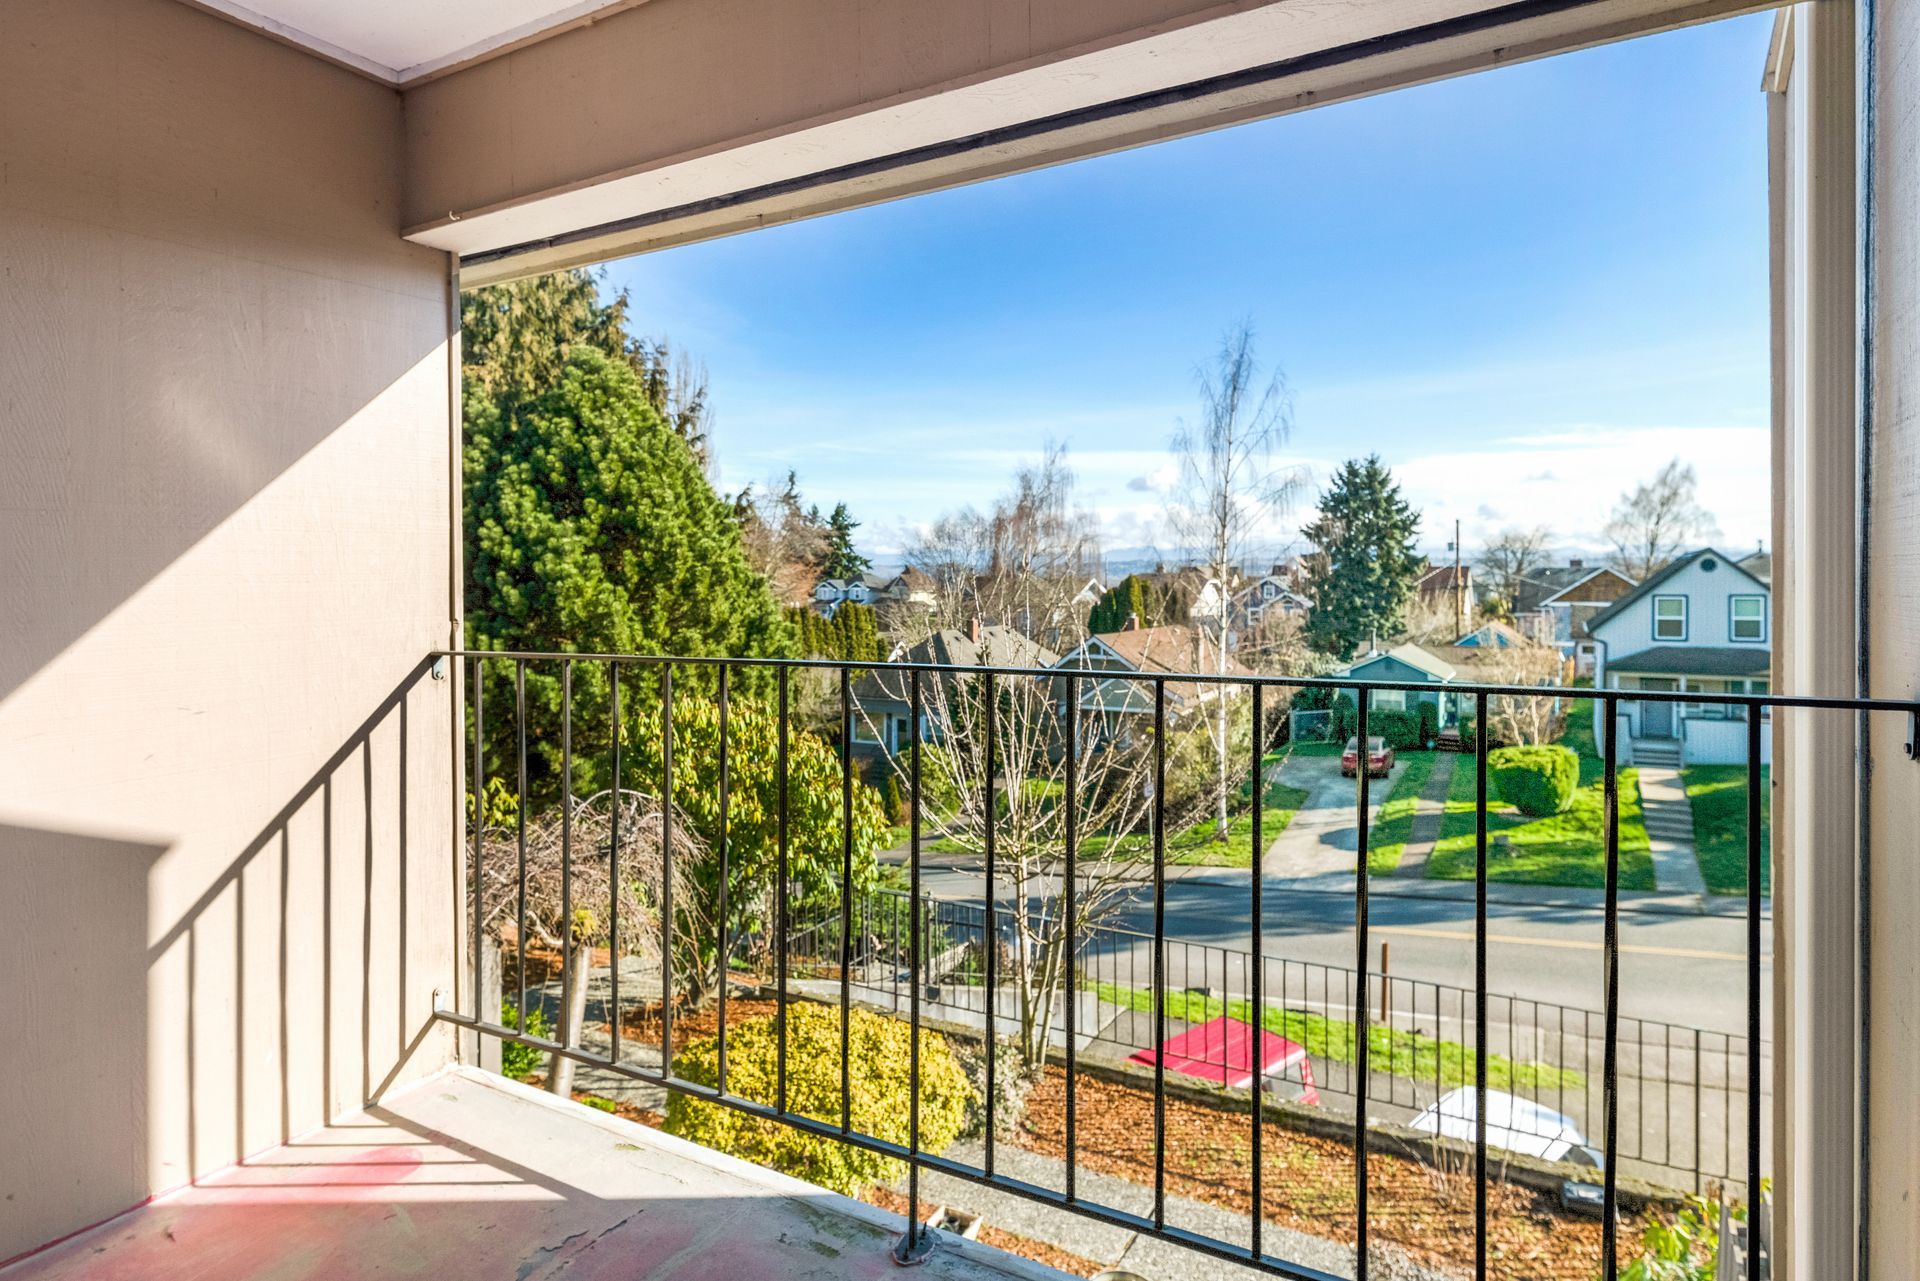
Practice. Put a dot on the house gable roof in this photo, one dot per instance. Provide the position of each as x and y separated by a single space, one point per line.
997 647
1660 579
1411 655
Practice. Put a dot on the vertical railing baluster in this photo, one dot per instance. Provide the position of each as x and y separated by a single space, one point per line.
520 825
1480 988
1363 1030
1257 967
568 1032
990 935
1159 954
1070 904
1610 949
846 896
912 1246
666 870
613 866
1755 1208
726 874
478 820
780 909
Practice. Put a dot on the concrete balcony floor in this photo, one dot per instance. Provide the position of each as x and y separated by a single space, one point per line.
466 1175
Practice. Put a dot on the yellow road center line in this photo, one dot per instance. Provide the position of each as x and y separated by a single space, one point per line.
1578 945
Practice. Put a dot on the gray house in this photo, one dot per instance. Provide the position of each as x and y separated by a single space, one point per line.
883 701
1701 624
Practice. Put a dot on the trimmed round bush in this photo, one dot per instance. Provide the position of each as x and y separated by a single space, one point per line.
878 1049
1535 780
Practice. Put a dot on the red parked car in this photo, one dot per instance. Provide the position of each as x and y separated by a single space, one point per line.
1379 757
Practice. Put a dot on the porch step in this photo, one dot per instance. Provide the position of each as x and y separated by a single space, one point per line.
1646 753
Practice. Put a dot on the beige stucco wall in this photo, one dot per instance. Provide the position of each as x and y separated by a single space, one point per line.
1893 1188
225 885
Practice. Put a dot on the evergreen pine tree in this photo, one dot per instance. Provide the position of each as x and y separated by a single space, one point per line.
842 560
1366 570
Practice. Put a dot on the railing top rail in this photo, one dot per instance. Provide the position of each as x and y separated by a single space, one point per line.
1605 695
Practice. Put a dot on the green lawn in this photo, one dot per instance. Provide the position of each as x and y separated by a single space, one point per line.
1562 849
1197 845
1393 1050
1393 823
1719 797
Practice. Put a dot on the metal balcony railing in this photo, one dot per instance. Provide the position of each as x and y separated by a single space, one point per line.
720 680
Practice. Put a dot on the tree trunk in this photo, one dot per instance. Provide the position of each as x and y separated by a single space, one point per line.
572 1014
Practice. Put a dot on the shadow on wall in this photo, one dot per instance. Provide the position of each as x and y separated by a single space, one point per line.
296 987
77 1021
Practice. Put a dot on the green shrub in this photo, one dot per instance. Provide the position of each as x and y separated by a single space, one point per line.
1429 714
1400 729
878 1049
1535 780
518 1060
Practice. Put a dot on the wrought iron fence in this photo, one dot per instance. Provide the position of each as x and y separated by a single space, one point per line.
1363 1084
1682 1087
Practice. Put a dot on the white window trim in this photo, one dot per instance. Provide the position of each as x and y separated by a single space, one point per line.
1686 618
1733 620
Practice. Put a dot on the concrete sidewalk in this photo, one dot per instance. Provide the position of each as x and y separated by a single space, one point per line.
1668 816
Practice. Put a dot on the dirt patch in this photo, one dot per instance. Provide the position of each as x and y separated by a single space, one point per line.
1308 1182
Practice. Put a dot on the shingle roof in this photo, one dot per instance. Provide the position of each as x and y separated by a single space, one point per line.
1697 660
997 647
1415 656
1666 575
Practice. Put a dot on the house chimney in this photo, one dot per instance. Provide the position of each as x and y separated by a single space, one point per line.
1132 624
1576 563
973 629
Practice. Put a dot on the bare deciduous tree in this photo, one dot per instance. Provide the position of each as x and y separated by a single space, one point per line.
1020 564
1512 718
573 898
785 540
1230 495
1657 521
1511 557
1112 768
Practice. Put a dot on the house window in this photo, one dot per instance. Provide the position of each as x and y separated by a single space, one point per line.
1392 700
1670 618
1748 618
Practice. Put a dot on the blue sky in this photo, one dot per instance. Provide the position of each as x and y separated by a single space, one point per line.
1525 289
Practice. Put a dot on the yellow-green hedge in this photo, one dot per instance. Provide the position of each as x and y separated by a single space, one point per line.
878 1050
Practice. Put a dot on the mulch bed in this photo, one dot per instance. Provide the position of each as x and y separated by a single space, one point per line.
641 1023
1308 1182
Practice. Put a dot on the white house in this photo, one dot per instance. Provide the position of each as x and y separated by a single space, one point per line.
1269 594
1701 624
910 585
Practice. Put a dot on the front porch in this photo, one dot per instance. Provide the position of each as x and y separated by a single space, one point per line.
1677 732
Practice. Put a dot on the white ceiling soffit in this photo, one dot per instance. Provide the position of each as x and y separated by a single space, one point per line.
402 43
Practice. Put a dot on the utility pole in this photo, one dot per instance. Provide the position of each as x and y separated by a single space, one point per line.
1460 616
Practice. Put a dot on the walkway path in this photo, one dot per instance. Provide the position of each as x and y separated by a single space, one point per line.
1429 808
1668 815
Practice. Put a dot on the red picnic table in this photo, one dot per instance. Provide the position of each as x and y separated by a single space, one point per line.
1221 1051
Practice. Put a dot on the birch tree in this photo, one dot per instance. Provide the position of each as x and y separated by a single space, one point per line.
1230 495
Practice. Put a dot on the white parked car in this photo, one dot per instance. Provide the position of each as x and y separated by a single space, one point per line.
1521 1126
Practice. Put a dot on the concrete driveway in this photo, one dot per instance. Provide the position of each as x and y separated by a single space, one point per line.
1323 838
